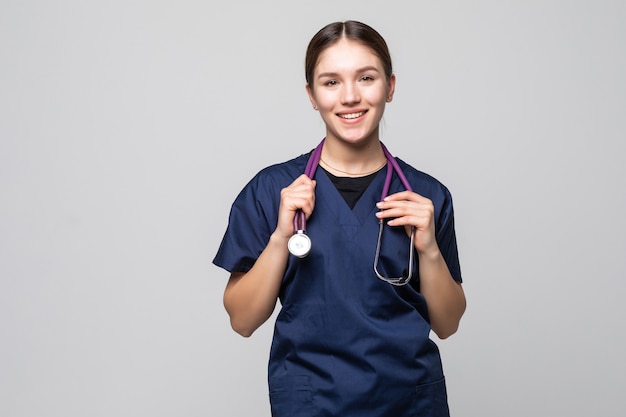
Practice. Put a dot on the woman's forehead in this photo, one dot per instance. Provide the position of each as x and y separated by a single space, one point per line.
346 55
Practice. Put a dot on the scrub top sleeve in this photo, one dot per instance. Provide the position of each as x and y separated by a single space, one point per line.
446 237
249 227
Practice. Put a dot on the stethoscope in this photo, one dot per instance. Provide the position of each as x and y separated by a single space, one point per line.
300 244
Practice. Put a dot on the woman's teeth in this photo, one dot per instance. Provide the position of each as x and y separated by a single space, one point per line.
351 115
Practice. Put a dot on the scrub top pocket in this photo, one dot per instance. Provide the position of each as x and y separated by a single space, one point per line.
431 400
291 397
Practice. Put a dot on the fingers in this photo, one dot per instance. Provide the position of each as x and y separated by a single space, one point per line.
411 210
406 208
299 195
406 195
420 217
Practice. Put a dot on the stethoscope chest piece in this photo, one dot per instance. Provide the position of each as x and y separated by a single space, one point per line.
299 244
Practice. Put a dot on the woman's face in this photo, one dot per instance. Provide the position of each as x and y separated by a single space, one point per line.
350 90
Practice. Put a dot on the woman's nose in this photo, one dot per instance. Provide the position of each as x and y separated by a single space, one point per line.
350 94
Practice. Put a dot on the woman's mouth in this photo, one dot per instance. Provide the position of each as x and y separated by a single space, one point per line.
351 115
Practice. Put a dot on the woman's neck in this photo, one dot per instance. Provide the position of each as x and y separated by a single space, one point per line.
343 159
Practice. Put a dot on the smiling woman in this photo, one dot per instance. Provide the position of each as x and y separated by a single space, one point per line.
345 341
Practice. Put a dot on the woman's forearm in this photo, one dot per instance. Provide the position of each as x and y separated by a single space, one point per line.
444 296
250 298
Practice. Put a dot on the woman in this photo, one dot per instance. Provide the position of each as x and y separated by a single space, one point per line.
347 343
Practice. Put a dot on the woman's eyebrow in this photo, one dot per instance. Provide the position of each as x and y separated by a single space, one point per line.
331 74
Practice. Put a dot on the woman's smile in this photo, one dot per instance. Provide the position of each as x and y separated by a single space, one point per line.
351 116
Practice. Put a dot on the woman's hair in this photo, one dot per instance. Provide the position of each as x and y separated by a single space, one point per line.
350 29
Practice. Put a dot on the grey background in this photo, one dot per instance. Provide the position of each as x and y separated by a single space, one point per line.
128 127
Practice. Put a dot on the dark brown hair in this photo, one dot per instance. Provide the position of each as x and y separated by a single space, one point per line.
350 29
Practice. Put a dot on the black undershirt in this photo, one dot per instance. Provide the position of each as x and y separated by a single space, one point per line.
351 188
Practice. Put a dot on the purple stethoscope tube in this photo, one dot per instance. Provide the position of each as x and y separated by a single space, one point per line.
300 244
299 220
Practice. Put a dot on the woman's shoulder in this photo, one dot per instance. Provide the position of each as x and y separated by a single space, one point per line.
421 180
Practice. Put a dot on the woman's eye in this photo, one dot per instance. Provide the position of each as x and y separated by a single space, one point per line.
367 78
330 83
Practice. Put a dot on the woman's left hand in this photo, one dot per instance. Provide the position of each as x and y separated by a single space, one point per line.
444 296
410 209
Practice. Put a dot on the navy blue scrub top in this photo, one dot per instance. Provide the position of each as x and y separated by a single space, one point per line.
345 342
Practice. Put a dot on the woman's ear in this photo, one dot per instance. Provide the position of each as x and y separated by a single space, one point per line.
311 98
392 87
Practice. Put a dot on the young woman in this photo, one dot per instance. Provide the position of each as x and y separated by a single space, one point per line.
352 336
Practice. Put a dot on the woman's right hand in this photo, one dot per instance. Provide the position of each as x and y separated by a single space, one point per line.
300 194
250 297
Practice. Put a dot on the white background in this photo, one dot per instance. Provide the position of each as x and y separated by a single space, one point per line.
128 127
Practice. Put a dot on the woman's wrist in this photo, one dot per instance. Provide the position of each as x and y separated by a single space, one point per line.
278 239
